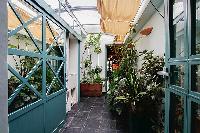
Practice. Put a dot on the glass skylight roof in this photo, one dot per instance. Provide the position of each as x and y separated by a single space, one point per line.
84 10
75 3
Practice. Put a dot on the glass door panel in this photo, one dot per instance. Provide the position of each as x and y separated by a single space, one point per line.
195 27
177 75
195 117
176 114
195 77
182 115
177 32
178 8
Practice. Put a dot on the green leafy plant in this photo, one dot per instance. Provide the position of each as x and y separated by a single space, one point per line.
93 41
135 90
26 96
91 74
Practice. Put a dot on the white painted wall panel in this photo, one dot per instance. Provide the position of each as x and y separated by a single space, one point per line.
156 40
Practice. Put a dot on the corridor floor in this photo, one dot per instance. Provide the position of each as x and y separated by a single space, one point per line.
91 115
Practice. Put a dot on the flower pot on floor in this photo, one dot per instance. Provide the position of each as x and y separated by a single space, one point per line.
138 123
91 90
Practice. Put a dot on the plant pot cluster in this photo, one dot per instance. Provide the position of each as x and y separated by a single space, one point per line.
138 92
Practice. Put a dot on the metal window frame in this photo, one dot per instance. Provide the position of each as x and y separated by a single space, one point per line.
189 59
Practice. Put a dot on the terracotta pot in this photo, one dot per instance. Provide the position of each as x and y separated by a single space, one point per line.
91 90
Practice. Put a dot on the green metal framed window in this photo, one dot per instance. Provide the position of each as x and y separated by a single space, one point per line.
182 96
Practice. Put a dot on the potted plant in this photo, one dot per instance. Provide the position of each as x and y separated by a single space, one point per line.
91 85
138 92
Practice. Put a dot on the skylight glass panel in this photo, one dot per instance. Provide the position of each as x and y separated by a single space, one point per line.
74 3
88 17
54 4
68 19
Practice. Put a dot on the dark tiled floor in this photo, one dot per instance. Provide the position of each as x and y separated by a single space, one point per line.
91 115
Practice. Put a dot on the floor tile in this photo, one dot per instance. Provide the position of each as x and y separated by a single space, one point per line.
88 130
92 115
72 130
93 123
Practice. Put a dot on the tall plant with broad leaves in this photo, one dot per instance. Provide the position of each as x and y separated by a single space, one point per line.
91 74
138 90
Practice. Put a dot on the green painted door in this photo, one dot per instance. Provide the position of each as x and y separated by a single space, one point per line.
36 69
182 21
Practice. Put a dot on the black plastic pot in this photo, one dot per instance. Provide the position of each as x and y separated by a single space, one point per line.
139 123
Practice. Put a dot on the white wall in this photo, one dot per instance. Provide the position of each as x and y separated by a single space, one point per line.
72 72
156 40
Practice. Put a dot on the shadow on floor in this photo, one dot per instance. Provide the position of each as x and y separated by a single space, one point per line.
92 115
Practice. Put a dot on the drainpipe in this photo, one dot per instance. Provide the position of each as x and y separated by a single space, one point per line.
140 11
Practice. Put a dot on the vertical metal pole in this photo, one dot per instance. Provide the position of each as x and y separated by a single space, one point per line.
79 73
59 8
3 67
106 78
44 67
167 42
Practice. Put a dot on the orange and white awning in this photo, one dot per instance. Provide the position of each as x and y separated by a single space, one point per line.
116 15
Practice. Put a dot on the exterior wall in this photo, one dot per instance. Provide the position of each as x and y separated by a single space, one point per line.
156 40
72 85
3 68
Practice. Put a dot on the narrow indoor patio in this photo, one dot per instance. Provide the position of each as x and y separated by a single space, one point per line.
100 66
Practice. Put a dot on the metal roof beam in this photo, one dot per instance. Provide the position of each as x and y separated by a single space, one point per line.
87 25
67 7
78 8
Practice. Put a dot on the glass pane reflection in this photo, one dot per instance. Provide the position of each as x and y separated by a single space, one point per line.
177 75
197 27
195 118
177 34
176 116
195 78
